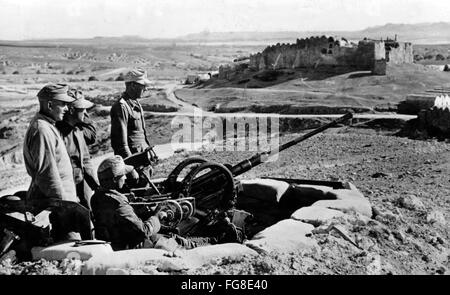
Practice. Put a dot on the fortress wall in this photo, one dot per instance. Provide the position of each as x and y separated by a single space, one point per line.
346 56
402 54
254 61
311 52
379 50
308 52
365 55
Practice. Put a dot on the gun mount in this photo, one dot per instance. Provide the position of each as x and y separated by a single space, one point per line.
208 189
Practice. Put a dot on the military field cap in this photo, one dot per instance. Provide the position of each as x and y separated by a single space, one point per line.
80 102
113 167
137 75
55 92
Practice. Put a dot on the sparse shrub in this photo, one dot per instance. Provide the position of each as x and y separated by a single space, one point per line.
16 73
38 72
243 81
110 79
92 78
428 56
75 80
418 57
6 132
440 57
4 73
70 72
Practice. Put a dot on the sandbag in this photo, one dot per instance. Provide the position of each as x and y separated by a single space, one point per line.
69 250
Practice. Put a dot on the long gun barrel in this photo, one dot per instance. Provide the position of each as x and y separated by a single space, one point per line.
257 159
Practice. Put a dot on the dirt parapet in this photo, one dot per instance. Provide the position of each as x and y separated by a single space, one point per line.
291 109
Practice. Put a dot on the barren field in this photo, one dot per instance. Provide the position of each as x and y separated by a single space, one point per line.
297 91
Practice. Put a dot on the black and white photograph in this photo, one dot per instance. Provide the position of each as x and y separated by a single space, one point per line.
224 139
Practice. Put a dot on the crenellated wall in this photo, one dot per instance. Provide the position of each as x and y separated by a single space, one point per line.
399 53
370 55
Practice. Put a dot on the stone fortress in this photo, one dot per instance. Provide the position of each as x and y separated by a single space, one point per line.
310 53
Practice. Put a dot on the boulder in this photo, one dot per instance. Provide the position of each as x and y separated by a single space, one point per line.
316 215
69 250
288 235
347 200
436 217
411 202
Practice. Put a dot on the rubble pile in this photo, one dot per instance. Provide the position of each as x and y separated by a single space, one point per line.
431 122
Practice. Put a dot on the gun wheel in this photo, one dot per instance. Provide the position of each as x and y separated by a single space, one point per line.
216 192
171 183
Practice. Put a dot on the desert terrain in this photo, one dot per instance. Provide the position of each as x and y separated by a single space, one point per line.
407 181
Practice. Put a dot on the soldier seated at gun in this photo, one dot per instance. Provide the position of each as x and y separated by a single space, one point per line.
116 221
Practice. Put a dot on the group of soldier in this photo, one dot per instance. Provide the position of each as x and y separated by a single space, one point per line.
56 155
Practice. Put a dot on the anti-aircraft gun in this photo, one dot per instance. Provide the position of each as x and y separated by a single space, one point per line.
206 191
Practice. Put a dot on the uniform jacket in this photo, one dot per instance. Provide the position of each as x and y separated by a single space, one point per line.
47 161
77 138
115 221
128 134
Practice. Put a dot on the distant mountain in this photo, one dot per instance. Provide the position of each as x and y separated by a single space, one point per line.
421 33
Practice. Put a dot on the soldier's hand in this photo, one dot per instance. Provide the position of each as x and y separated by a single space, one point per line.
161 215
134 175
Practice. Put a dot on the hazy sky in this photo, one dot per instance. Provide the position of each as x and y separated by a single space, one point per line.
26 19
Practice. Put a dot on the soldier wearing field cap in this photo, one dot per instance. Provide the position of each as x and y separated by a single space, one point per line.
45 155
128 135
114 218
78 132
116 221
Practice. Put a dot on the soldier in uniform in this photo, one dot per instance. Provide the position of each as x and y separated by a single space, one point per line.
78 132
116 221
48 164
44 151
128 135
